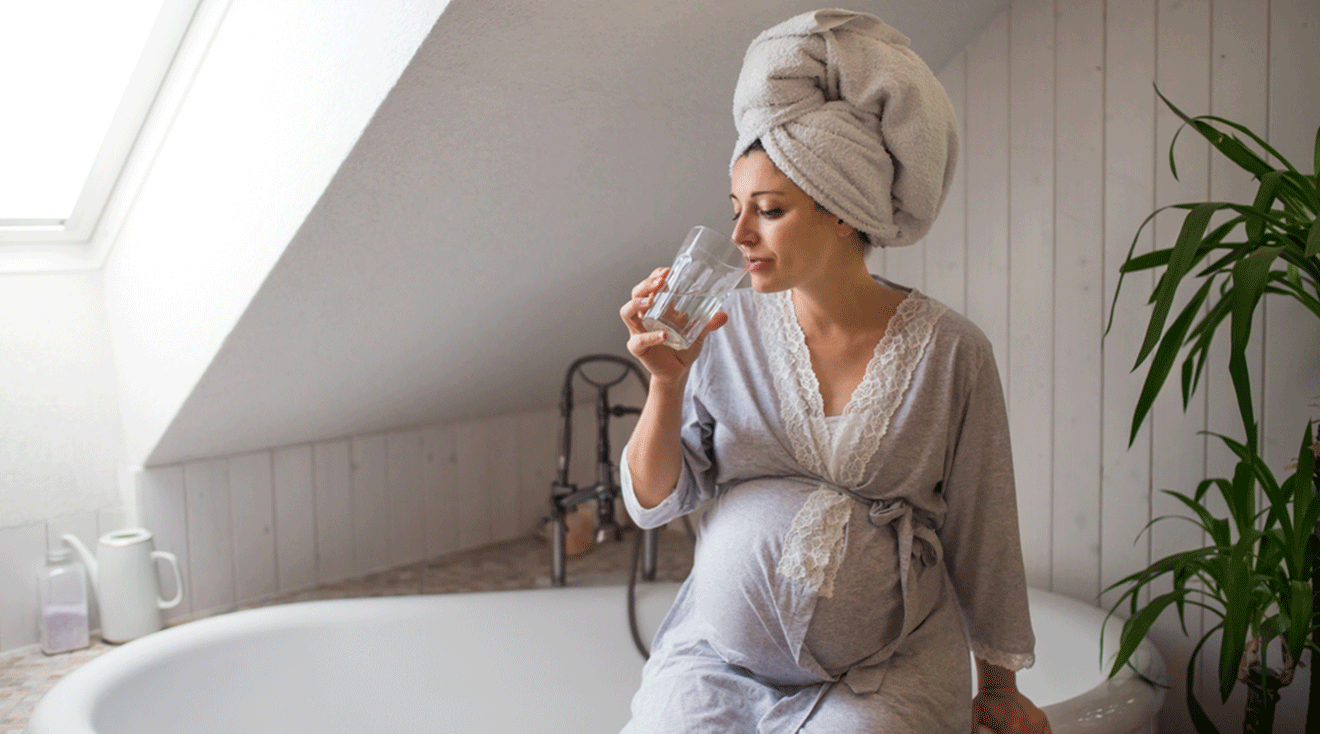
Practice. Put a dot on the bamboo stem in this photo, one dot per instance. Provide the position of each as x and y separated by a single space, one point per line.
1262 697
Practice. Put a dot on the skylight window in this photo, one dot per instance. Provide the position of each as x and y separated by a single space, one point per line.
77 78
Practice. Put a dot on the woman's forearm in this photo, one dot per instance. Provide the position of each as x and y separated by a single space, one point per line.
655 458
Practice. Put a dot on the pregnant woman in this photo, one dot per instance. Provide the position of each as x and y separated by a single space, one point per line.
843 436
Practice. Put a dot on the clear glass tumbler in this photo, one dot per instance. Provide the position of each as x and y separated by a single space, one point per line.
708 267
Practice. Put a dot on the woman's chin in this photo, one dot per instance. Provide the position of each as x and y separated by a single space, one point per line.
765 284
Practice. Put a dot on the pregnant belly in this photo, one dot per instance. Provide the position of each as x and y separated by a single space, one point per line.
781 628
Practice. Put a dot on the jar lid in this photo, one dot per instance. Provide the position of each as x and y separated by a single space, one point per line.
58 555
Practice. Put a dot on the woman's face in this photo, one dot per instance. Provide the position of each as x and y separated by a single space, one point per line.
788 240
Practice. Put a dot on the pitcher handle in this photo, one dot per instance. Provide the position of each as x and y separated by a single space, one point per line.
178 580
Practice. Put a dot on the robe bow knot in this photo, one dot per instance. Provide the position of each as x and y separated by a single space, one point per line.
915 539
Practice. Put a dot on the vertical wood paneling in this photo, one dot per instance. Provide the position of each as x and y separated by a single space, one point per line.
907 265
210 534
1078 296
440 495
404 482
1292 375
1292 361
1183 75
987 176
1178 450
22 554
1129 196
472 496
163 505
946 244
336 548
295 517
372 524
252 496
1238 85
1030 378
502 476
538 435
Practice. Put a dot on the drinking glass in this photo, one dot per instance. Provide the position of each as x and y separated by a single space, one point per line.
708 267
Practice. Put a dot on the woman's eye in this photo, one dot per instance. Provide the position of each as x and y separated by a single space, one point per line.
736 216
771 213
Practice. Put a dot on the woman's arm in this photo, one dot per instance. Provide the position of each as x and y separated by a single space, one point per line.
655 456
1000 706
655 459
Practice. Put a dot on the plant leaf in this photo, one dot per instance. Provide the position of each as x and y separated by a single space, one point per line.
1237 595
1313 240
1249 279
1200 719
1136 627
1122 275
1180 261
1269 186
1165 357
1300 612
1261 166
1217 528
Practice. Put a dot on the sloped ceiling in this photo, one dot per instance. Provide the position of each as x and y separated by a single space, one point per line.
533 162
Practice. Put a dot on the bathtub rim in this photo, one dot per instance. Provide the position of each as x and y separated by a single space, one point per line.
63 710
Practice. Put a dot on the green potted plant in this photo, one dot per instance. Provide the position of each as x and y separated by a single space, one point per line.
1256 575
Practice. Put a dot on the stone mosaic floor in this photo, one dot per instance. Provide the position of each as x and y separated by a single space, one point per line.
523 563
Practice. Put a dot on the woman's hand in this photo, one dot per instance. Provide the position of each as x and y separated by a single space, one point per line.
667 365
1005 710
1001 707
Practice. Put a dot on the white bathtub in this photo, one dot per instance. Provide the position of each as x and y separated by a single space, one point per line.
551 660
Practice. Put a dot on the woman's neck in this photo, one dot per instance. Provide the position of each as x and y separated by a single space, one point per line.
844 306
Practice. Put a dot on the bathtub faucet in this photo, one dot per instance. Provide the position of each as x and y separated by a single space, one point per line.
565 496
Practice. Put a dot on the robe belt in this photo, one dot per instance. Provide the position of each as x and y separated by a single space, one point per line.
900 514
914 536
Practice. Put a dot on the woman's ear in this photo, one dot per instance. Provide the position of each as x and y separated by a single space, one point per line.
843 229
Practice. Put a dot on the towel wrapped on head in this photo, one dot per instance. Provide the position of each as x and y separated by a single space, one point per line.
853 117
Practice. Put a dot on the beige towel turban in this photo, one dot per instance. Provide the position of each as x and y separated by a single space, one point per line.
853 117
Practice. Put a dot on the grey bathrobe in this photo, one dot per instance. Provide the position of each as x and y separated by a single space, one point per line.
834 552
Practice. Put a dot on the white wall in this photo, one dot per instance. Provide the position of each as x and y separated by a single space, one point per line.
1065 153
59 420
60 436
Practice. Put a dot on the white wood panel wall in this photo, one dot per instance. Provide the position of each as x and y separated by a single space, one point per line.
1065 154
245 527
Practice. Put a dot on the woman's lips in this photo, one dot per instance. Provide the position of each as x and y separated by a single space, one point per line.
757 264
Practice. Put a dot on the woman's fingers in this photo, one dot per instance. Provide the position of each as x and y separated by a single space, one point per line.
651 284
643 341
643 294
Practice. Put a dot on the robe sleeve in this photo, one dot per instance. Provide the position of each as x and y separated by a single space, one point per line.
982 548
696 482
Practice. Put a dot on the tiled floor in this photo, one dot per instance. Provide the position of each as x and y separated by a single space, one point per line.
517 564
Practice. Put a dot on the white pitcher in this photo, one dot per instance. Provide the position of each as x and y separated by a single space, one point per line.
123 575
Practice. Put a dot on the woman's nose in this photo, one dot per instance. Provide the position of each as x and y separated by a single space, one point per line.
743 230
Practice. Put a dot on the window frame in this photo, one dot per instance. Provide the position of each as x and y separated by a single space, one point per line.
72 236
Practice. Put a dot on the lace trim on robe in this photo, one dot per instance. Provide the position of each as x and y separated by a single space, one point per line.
1013 661
814 543
813 546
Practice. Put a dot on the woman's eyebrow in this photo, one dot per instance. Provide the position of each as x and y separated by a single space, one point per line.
755 194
